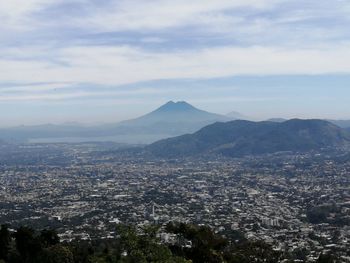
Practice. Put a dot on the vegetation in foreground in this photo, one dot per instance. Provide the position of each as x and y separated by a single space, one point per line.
185 243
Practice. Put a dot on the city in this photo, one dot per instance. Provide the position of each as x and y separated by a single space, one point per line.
294 202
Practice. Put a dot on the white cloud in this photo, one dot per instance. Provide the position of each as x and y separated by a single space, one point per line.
124 65
17 8
272 48
161 14
122 14
14 13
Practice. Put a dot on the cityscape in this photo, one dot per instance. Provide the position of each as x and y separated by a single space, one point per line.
294 202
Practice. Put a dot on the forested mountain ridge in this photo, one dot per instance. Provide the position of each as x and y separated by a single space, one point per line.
240 138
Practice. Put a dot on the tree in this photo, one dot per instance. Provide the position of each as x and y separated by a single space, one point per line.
5 239
205 245
49 238
252 252
144 247
27 244
327 258
57 254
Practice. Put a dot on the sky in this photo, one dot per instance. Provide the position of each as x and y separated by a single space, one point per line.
98 61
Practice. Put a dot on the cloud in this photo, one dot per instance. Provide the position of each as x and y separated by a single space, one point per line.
15 13
249 22
102 65
59 42
161 14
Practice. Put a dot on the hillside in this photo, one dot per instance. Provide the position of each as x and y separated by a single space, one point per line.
341 123
239 138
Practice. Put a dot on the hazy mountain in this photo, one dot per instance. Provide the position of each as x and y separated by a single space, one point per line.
239 138
341 123
277 120
175 113
234 115
171 119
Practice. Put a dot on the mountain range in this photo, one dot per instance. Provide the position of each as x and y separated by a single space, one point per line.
169 120
240 138
341 123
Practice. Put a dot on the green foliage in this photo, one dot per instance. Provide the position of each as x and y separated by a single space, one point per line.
49 238
253 252
4 242
327 258
189 244
27 244
206 246
144 247
57 254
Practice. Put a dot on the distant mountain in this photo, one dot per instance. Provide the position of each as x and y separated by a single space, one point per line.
341 123
171 119
234 115
239 138
277 120
175 113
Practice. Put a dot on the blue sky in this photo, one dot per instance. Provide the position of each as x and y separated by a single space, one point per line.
104 61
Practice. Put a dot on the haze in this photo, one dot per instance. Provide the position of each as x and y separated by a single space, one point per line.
99 61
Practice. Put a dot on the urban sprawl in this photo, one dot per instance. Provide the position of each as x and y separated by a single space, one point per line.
292 201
